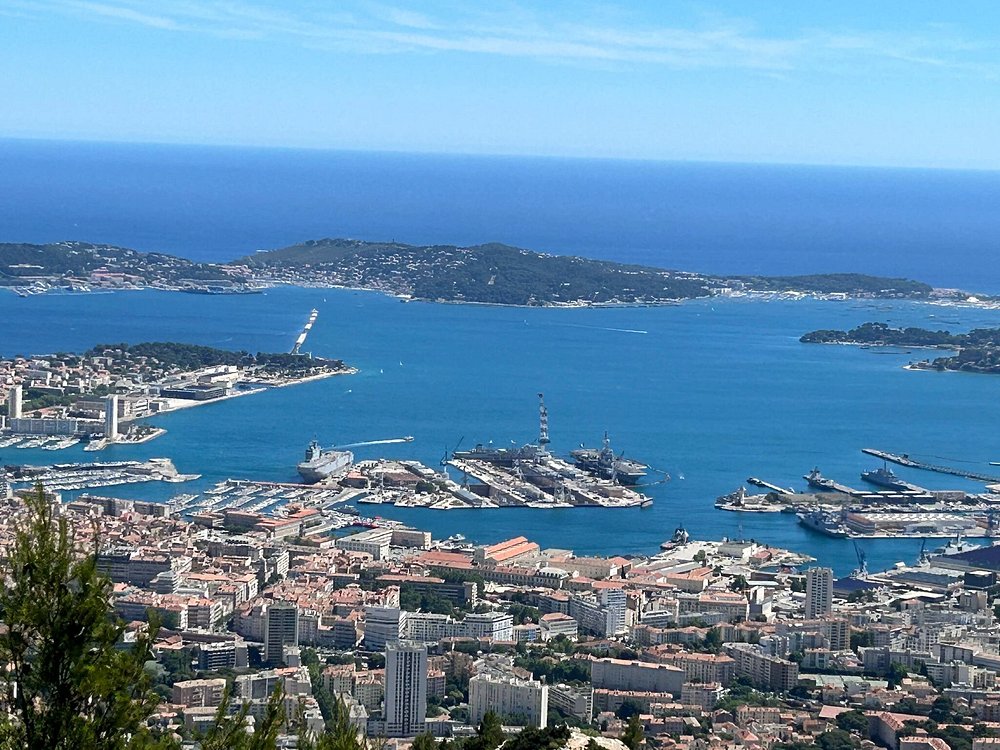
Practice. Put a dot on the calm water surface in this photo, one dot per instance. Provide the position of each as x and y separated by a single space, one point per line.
711 392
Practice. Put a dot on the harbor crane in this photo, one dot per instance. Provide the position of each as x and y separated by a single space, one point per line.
862 571
449 453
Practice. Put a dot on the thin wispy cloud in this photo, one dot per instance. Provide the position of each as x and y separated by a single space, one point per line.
123 13
380 28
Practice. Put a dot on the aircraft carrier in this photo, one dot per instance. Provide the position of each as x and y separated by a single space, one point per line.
605 464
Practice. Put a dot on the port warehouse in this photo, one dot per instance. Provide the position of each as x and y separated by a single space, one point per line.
971 516
913 524
195 392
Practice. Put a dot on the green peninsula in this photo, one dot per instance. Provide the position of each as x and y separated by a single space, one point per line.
500 274
975 351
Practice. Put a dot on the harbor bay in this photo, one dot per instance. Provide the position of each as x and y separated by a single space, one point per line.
710 392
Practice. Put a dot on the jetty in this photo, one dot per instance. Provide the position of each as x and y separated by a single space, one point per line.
305 331
768 486
905 460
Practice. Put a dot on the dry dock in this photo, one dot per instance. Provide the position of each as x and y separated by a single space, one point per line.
547 481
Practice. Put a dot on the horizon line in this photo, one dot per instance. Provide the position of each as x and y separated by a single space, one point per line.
495 155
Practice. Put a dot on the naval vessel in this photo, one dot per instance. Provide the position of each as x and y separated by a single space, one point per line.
502 456
605 464
817 481
886 477
320 464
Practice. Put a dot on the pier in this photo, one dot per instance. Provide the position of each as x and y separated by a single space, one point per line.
905 460
768 486
819 482
305 331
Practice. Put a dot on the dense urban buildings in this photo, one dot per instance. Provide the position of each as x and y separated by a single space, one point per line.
412 634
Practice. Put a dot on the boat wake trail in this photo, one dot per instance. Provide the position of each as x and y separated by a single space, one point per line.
602 328
387 441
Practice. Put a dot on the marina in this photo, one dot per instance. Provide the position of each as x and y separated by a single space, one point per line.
240 503
85 476
54 443
265 498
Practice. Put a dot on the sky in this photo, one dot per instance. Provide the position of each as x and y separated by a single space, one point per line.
850 82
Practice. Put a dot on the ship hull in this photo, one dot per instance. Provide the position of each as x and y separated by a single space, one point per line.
889 485
326 466
602 470
837 532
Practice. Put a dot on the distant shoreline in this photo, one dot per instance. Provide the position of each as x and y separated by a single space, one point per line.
748 296
489 274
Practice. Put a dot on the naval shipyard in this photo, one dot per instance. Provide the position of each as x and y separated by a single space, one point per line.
529 476
532 476
890 508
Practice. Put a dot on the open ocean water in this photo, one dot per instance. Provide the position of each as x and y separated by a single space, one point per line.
215 204
710 391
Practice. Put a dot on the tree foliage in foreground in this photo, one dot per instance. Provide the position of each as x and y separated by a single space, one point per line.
70 683
66 682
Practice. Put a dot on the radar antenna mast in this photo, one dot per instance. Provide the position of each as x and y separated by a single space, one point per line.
543 422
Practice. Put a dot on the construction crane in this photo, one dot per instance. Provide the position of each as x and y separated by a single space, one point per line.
543 422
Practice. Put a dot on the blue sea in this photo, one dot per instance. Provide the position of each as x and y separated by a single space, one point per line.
215 204
710 391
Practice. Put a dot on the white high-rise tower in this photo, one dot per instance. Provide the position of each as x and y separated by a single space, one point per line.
15 404
405 689
819 592
111 417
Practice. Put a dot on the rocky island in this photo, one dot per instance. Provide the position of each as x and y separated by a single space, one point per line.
485 274
975 351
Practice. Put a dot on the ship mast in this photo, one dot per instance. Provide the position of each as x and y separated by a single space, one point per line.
543 422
